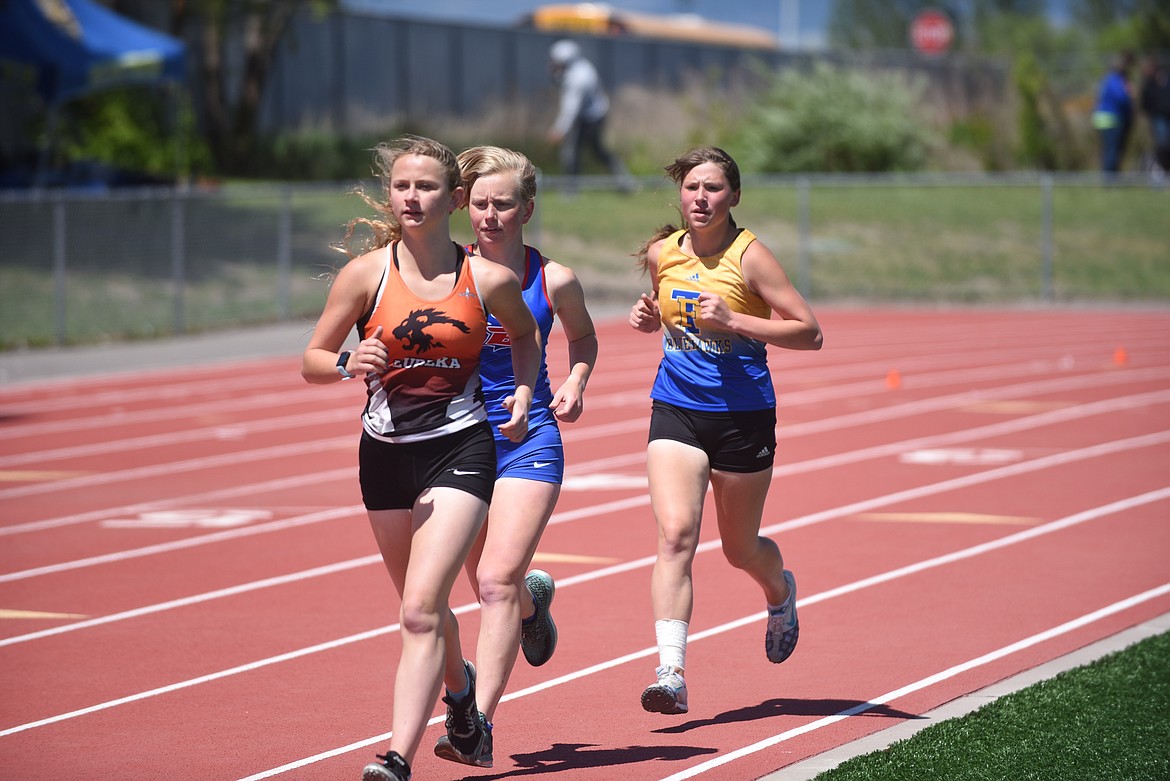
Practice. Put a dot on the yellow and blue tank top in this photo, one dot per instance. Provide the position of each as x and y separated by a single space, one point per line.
702 368
495 362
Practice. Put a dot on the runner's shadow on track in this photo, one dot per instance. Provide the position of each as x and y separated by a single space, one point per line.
793 707
576 756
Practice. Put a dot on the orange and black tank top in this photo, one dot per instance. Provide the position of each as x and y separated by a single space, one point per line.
431 387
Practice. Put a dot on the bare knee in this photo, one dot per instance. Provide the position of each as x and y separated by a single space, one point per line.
420 617
677 540
497 585
748 554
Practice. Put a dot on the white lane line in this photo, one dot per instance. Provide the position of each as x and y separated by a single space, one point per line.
576 676
949 401
995 429
900 572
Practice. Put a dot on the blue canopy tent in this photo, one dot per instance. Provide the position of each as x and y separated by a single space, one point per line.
70 48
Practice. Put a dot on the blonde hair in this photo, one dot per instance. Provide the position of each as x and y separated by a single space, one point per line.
385 227
490 160
677 171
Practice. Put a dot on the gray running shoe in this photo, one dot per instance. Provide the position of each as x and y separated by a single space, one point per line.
392 768
538 635
668 694
783 628
479 756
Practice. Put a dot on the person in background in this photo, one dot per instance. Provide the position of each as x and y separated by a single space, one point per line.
713 416
1113 114
501 187
427 458
1154 99
583 108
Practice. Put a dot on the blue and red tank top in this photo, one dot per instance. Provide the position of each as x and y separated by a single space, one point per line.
495 368
432 386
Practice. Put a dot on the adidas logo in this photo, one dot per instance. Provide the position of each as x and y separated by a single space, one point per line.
693 277
764 453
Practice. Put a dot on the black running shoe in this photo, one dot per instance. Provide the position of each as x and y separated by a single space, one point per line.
464 726
392 768
538 635
481 756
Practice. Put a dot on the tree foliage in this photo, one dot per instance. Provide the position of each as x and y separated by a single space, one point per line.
232 45
1055 67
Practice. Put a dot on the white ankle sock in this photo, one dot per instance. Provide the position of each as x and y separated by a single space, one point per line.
672 642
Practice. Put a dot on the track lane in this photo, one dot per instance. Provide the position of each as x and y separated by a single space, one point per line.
801 504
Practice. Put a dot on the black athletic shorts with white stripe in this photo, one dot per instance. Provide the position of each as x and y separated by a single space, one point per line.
733 441
393 476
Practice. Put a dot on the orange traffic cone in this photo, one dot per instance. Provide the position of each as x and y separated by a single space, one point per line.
893 380
1120 357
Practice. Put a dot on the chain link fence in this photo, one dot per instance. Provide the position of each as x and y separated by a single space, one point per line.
80 268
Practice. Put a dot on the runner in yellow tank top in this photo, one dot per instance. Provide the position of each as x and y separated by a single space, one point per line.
715 288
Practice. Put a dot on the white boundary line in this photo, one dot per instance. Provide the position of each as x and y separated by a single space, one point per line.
931 680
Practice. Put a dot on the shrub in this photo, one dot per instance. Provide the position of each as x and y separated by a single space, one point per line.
834 120
146 131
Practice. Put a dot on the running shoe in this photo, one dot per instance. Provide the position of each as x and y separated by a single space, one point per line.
392 768
783 628
480 755
464 723
668 695
538 635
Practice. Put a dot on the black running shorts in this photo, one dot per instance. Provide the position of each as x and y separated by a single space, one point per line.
393 476
733 441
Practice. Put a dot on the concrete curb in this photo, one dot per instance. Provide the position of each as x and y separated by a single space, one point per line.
810 768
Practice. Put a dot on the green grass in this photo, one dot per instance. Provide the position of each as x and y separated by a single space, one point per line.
1106 721
888 242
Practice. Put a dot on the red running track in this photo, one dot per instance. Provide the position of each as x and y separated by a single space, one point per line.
189 588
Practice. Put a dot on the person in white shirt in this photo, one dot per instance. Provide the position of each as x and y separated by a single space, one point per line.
580 119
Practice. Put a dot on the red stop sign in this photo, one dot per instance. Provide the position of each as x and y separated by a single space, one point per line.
931 32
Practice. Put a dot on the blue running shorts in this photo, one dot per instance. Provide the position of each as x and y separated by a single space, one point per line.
540 457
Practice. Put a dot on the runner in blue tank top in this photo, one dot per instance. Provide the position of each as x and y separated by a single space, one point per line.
501 188
713 416
495 361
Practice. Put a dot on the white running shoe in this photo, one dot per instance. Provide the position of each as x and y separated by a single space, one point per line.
783 628
668 695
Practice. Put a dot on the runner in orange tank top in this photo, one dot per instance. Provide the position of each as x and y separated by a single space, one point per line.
426 459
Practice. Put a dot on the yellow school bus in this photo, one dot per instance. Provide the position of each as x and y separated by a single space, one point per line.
602 19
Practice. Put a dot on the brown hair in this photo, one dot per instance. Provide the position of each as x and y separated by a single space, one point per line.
384 227
677 171
490 160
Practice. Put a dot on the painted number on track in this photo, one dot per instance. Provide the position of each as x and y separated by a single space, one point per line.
189 519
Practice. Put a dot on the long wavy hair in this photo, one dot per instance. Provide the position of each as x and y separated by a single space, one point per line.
384 228
677 171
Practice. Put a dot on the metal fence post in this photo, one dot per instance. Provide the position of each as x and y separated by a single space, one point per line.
1049 291
178 261
59 269
533 227
284 255
804 240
